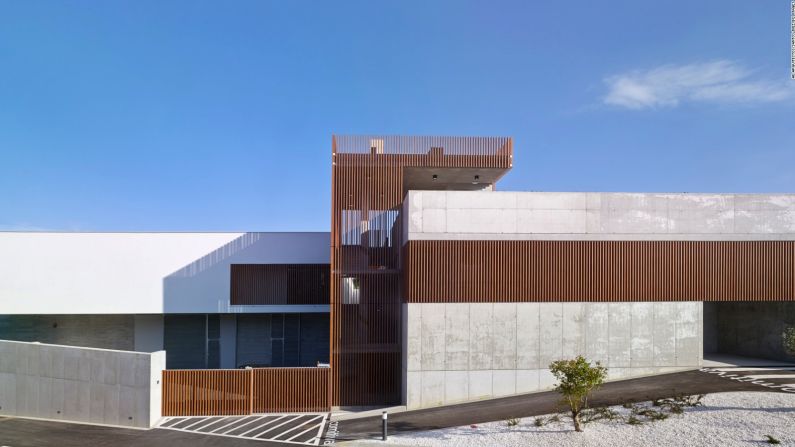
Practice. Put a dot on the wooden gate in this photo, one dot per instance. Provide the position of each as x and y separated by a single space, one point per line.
210 392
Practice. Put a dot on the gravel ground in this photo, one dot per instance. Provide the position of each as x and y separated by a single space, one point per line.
725 419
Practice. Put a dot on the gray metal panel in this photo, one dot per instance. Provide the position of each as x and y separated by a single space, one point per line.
185 340
254 340
314 339
94 331
292 339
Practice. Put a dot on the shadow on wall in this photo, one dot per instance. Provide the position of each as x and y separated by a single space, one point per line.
203 285
750 328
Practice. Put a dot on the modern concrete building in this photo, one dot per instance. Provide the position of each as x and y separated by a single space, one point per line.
211 300
437 288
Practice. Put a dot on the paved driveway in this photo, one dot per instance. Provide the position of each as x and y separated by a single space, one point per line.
32 433
292 428
612 393
284 430
773 378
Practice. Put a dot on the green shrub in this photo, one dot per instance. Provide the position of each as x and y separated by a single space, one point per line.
789 340
576 380
598 414
633 420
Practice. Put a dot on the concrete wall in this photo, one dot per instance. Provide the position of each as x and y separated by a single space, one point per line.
80 384
148 333
460 352
137 273
142 333
94 331
751 329
546 215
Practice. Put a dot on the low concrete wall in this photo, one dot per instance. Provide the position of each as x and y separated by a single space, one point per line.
462 352
80 384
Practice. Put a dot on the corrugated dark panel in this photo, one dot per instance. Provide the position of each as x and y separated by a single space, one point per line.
254 340
213 353
367 197
277 326
213 326
185 341
314 339
292 340
277 352
508 271
259 284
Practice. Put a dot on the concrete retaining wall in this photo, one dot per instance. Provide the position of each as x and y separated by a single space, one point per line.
80 384
461 352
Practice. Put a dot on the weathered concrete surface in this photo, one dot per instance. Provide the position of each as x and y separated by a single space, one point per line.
96 331
462 352
80 384
544 215
752 329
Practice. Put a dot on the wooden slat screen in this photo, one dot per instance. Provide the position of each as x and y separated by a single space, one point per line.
367 194
211 392
290 389
259 284
200 392
509 271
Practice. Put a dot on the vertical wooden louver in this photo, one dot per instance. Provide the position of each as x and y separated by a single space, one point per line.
196 392
506 271
366 239
212 392
260 284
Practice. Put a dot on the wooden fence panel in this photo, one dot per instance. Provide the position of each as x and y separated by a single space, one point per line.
202 392
212 392
290 389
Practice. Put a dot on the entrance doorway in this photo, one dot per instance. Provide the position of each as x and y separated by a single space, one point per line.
747 333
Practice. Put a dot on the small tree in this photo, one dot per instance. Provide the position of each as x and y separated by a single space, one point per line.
576 380
788 338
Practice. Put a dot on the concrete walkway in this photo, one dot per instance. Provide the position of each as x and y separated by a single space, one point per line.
613 393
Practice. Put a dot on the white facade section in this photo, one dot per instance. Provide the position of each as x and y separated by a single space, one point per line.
457 352
489 215
137 273
98 386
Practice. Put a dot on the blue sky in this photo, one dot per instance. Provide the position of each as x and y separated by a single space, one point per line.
218 116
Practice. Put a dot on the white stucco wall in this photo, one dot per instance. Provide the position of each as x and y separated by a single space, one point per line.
579 215
137 273
468 351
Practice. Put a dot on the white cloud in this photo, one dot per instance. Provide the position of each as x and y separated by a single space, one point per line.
717 81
